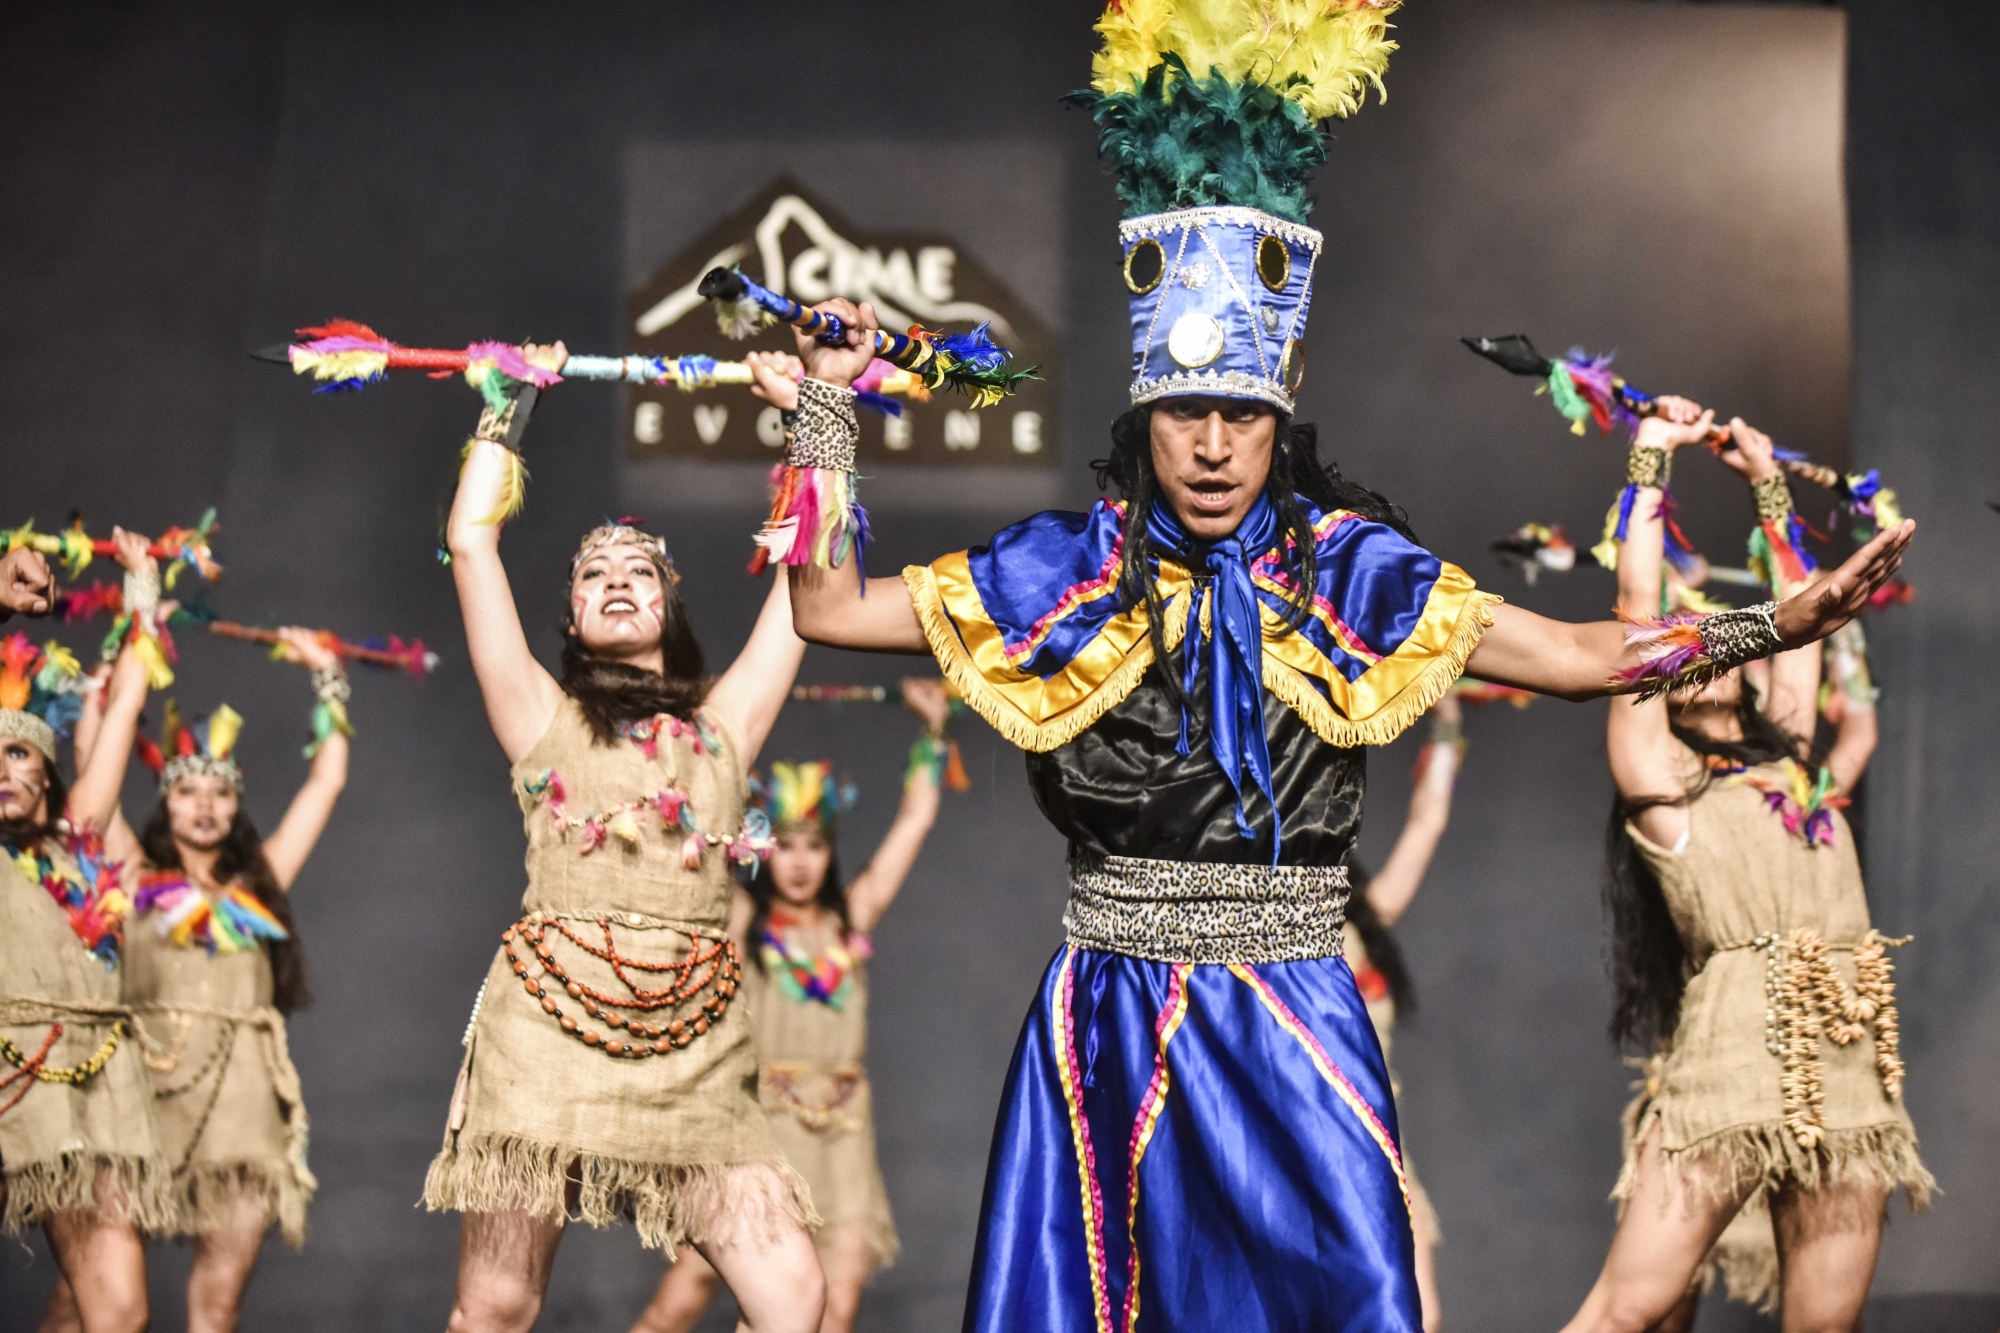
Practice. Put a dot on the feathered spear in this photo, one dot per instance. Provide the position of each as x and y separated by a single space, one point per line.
390 653
74 548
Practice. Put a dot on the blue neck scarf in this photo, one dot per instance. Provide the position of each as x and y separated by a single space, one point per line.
1234 652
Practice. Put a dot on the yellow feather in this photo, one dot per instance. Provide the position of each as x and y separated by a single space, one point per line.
158 674
513 496
1322 54
225 724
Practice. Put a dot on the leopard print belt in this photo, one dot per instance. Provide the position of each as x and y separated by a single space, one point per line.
1204 912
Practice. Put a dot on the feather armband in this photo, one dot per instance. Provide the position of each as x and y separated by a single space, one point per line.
1686 650
1778 551
816 517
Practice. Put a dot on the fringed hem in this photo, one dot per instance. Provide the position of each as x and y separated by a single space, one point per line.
958 668
1747 1157
668 1202
136 1189
1411 703
212 1197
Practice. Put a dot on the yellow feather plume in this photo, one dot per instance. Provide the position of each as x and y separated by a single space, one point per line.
1322 54
225 724
513 496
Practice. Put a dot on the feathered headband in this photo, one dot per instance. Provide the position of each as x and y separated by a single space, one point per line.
802 796
205 749
622 533
41 692
1211 113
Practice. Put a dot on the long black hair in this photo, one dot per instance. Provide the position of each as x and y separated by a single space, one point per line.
612 692
1296 472
240 860
1384 954
832 897
1648 958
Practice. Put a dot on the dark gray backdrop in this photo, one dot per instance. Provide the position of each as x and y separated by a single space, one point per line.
184 182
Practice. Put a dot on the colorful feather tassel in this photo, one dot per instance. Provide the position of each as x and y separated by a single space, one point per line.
1673 656
229 922
816 519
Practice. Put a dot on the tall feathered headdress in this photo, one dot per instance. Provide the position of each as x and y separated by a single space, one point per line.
41 692
1212 112
206 749
802 796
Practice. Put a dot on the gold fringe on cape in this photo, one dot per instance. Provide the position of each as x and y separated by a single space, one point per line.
139 1189
668 1202
1291 686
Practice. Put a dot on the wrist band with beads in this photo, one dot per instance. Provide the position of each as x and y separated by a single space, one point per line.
330 695
1649 465
816 518
1686 650
1446 731
1773 496
1778 543
142 594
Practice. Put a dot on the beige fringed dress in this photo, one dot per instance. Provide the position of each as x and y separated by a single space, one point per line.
1784 1067
85 1141
815 1088
231 1115
625 914
1374 989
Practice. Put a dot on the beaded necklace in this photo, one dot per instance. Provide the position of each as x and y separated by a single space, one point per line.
85 887
825 976
1803 800
189 916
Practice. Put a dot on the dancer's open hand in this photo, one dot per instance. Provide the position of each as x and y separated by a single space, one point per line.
1833 599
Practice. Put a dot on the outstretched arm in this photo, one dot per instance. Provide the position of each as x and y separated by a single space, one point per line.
871 891
1396 883
521 696
306 818
100 776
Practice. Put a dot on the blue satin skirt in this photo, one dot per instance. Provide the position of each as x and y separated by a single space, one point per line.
1194 1148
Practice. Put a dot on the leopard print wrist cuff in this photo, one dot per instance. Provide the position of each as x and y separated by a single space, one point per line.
1731 638
1774 497
825 431
1649 465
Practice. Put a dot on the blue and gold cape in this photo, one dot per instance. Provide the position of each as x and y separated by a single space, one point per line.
1029 631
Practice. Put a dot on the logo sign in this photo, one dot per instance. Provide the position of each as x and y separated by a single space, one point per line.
794 244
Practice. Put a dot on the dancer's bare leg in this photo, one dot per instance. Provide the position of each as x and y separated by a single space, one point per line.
103 1265
773 1271
1667 1228
1680 1319
685 1292
503 1270
1427 1286
1828 1240
843 1254
223 1262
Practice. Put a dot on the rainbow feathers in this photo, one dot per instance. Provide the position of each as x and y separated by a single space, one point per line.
229 922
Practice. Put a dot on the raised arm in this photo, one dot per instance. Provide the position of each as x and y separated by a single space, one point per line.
1395 884
306 818
1793 701
870 892
748 697
521 696
1852 708
100 776
827 604
121 844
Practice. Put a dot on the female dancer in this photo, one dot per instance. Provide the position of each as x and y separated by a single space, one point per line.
213 966
77 1139
608 1068
807 937
1742 945
1377 961
1199 1023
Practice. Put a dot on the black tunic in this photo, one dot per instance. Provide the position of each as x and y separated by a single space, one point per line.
1120 789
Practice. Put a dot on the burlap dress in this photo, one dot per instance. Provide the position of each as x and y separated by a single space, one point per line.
231 1115
657 1136
1784 1067
815 1089
1382 1013
62 1139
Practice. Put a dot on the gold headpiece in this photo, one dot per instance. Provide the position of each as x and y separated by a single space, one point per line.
623 533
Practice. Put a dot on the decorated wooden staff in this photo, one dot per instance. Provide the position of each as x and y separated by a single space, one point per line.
942 749
1583 388
971 362
74 548
390 654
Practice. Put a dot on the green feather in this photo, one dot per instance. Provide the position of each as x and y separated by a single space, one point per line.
1209 141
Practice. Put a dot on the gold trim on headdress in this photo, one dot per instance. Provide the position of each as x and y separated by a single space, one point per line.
624 534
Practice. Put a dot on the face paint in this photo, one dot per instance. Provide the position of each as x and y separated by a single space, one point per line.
619 598
24 780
